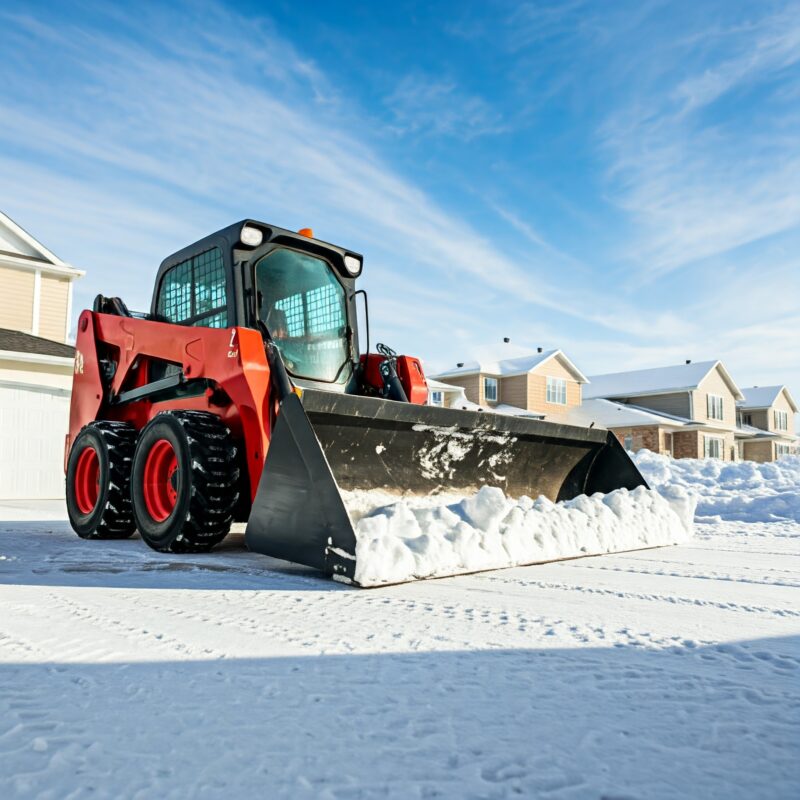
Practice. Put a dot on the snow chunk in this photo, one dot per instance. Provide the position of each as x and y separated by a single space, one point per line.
406 539
740 490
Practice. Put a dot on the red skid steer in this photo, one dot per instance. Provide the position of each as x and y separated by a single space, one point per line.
242 395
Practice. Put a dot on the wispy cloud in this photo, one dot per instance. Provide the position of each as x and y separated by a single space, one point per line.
760 49
424 105
170 114
699 184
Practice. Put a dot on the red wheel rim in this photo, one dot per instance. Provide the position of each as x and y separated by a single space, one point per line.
161 480
87 480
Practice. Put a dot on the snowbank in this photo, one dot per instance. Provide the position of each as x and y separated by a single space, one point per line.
405 539
741 490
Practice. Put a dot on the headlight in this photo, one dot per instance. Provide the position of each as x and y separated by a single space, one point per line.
250 236
353 265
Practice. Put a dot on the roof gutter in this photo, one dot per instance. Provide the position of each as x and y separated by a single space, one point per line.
32 264
36 358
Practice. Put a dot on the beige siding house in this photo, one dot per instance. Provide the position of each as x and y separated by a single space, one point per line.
543 384
37 285
445 395
36 364
691 408
767 422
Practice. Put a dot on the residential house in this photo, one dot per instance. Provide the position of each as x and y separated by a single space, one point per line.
636 427
691 408
36 364
543 384
445 395
767 415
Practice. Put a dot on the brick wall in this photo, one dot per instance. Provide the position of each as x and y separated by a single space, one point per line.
687 444
644 438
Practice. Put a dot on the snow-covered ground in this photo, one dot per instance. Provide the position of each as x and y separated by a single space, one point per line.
661 673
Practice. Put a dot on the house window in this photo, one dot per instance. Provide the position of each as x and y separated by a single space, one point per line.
782 449
713 447
747 419
714 402
557 391
490 390
193 292
782 420
628 443
437 398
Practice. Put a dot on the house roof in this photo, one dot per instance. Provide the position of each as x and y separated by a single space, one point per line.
515 411
18 342
608 414
20 249
661 380
442 387
764 397
750 431
508 367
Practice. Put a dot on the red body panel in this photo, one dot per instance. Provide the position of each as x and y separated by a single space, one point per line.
409 370
371 363
411 375
234 358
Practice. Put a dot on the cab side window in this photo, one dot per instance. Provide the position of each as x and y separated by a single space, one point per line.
194 292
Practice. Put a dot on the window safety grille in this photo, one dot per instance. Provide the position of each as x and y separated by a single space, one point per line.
193 292
312 313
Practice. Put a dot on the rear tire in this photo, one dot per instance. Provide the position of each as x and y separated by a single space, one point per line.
98 481
184 484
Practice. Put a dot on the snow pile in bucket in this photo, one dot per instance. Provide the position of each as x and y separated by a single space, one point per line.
740 490
415 538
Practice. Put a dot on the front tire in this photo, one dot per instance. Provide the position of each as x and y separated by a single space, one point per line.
98 481
184 482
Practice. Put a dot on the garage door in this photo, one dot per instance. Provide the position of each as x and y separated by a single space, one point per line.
33 424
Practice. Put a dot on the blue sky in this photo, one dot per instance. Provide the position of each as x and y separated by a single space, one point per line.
621 180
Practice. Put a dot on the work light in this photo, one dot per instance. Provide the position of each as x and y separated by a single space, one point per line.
353 265
250 236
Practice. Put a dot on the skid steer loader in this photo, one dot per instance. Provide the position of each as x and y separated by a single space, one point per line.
242 395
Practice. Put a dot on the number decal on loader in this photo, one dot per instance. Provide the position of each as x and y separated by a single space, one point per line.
78 362
233 351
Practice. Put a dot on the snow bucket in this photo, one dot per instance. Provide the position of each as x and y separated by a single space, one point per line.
325 444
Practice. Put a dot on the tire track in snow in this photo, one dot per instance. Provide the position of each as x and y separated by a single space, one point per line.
106 621
747 551
708 576
660 598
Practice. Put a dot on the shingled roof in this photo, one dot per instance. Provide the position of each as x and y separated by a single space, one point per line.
19 342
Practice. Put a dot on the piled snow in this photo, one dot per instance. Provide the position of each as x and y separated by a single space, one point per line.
740 490
432 537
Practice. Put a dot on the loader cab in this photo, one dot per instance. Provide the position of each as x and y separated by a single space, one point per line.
301 288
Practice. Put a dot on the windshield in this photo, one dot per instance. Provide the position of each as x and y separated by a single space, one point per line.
303 307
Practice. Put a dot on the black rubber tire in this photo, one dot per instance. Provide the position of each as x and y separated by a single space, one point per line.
206 482
112 515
